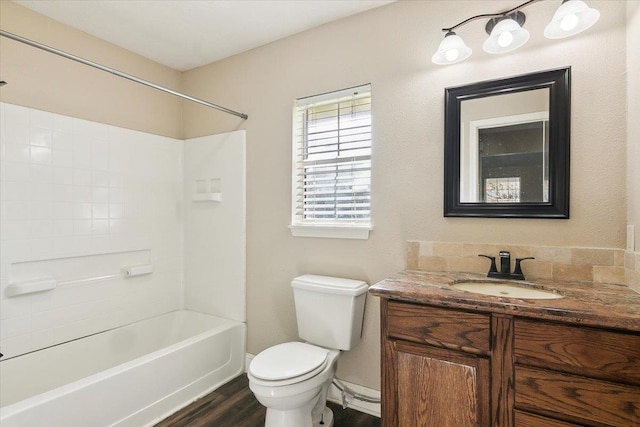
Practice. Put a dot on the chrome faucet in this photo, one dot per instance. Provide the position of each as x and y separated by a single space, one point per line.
505 266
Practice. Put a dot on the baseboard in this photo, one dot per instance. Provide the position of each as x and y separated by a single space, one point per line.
336 396
368 408
247 361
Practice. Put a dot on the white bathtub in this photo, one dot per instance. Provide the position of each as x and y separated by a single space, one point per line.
131 376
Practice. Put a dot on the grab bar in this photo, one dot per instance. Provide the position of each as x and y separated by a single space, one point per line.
31 286
50 283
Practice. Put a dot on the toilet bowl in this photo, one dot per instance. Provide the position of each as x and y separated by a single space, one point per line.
292 379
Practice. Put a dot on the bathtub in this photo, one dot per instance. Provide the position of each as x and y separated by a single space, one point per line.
135 375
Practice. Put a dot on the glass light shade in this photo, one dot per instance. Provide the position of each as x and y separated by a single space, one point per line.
451 50
507 35
572 17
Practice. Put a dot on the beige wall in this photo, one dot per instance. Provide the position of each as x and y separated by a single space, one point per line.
44 81
391 47
633 112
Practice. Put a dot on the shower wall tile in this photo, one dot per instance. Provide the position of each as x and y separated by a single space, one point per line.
79 200
17 152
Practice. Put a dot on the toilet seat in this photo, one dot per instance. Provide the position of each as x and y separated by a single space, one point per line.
288 363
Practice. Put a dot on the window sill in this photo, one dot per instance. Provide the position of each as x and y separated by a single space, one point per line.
331 231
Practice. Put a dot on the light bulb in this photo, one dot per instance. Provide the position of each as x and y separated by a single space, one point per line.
505 39
572 17
451 55
451 50
569 22
505 33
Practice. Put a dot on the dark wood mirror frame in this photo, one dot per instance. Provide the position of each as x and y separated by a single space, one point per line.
558 83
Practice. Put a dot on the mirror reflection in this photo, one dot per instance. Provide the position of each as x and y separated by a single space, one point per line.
504 148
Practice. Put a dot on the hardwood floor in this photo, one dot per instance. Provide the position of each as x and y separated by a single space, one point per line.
233 405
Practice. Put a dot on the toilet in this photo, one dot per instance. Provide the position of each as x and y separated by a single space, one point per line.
292 379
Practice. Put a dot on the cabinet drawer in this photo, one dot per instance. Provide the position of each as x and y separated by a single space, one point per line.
581 350
452 329
576 399
524 419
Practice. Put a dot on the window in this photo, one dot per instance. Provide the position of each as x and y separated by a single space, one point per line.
502 190
332 165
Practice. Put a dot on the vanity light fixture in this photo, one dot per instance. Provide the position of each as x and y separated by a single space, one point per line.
572 17
506 32
451 50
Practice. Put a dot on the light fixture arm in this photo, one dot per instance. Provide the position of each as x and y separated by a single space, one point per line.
490 15
517 16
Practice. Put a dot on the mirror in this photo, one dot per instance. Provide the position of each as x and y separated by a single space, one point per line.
507 147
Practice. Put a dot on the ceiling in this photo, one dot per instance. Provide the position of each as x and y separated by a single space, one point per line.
184 34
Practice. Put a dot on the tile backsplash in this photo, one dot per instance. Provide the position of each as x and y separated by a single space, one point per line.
78 201
551 262
632 269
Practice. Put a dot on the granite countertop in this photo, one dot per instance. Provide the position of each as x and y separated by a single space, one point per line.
585 303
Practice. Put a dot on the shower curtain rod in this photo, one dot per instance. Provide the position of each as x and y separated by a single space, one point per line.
118 73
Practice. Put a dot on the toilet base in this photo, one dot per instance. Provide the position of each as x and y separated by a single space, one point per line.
327 419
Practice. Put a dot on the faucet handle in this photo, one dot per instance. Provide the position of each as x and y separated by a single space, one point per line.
517 272
493 269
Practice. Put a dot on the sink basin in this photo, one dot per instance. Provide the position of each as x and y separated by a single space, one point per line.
505 290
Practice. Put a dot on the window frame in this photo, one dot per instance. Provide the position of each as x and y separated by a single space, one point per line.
326 228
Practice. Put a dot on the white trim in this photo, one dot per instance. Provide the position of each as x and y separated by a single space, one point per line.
332 96
469 175
366 407
294 163
248 357
331 231
335 396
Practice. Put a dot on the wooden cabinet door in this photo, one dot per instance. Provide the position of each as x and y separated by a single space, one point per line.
433 387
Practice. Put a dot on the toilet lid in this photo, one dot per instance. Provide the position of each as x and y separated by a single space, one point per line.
288 360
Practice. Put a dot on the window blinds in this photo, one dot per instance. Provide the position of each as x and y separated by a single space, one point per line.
332 158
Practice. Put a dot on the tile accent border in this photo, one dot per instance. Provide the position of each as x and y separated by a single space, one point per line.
632 270
596 265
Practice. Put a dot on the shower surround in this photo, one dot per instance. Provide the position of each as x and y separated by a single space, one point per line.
80 201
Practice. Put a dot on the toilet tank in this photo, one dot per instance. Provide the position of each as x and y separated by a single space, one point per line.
329 310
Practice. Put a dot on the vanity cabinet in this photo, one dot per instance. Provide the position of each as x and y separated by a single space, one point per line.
435 360
449 367
587 375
